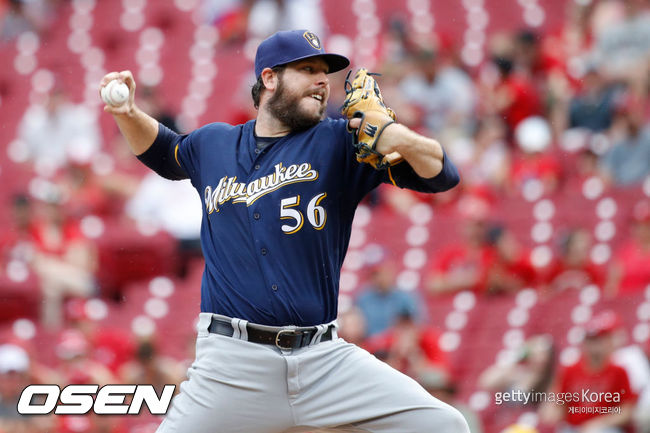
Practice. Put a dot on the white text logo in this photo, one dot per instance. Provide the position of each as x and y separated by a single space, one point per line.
239 192
108 400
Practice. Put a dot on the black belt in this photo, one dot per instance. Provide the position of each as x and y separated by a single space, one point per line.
283 338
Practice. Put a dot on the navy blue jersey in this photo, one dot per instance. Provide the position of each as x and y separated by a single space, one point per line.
276 223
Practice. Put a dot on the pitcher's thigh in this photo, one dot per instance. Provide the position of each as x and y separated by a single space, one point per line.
346 386
232 387
443 419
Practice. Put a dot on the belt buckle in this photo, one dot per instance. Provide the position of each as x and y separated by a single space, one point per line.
284 331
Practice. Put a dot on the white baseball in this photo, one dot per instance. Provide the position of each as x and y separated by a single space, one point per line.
115 93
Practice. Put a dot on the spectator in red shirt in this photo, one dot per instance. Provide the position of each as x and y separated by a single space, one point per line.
509 267
93 194
514 96
531 369
108 345
530 57
601 397
462 265
547 72
574 269
409 347
630 270
64 260
534 160
642 412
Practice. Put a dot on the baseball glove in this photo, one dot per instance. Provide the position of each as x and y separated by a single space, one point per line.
363 100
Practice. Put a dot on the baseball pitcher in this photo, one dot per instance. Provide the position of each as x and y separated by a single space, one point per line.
279 194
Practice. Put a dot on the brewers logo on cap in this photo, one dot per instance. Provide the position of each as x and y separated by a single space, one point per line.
288 46
312 39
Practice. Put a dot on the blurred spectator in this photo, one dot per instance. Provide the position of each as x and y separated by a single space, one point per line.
152 368
509 268
632 358
509 93
567 48
531 59
150 102
546 70
396 46
74 364
92 194
445 389
531 369
108 345
269 16
352 326
76 367
64 260
629 271
381 301
594 371
17 370
642 412
445 93
14 377
535 161
15 241
486 159
624 46
19 16
57 132
587 165
574 268
593 107
571 44
626 162
21 212
230 17
462 265
410 347
172 206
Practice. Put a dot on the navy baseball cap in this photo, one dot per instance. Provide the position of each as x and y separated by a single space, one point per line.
291 45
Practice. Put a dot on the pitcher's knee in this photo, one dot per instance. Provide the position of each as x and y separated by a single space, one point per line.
449 420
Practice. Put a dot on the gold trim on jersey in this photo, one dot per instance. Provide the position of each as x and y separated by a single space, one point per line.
390 176
317 212
176 156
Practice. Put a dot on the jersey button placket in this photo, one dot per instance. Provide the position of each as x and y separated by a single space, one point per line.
274 287
257 215
263 251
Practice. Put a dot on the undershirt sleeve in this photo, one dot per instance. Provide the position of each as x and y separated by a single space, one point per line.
403 176
162 155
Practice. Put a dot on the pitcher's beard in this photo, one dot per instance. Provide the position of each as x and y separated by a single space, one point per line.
286 108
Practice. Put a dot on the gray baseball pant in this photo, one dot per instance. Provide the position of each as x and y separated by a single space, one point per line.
237 386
